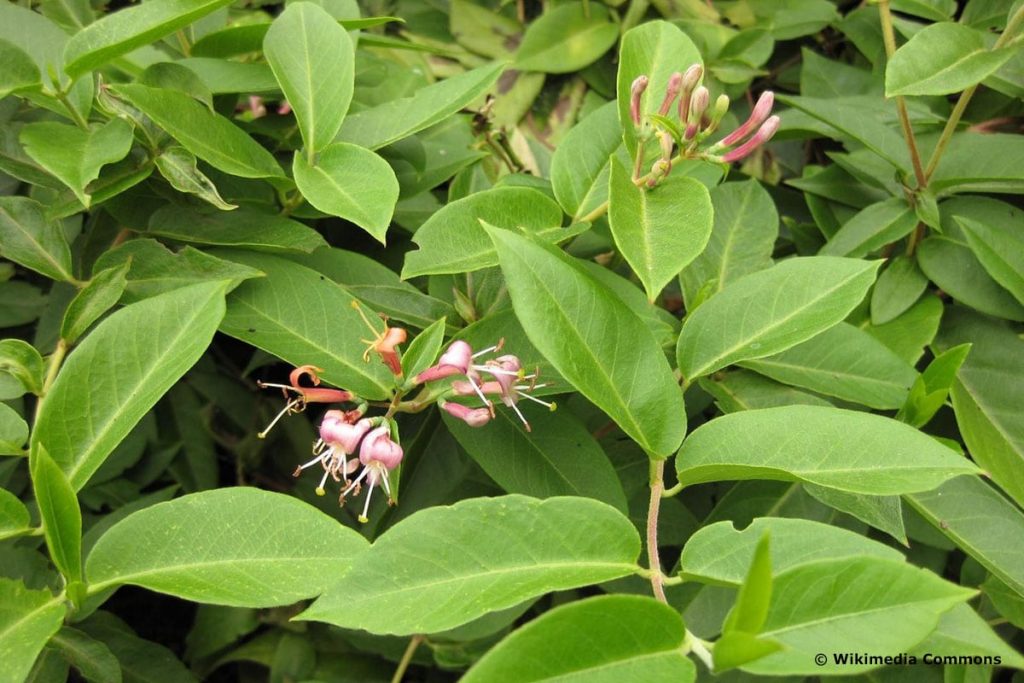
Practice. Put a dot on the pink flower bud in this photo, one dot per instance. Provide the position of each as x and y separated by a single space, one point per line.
690 80
635 91
699 104
760 113
474 417
675 85
338 432
454 361
385 348
763 135
379 448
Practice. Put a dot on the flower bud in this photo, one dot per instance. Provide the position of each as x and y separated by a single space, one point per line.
758 115
337 431
474 417
666 145
690 80
635 92
378 447
721 107
699 104
675 85
454 361
763 135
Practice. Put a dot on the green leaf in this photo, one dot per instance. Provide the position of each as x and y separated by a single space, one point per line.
744 390
887 458
871 229
20 71
378 287
210 136
453 240
488 553
655 49
846 362
313 60
579 166
396 119
95 299
1000 251
13 432
179 167
93 659
855 121
141 660
301 317
863 604
771 310
173 76
908 334
14 519
658 231
755 593
351 182
957 271
605 639
121 32
980 162
898 288
61 517
557 457
882 512
29 238
423 349
721 555
120 371
275 553
940 59
243 228
936 10
745 228
155 269
960 632
594 341
27 620
736 648
988 412
21 360
566 38
932 387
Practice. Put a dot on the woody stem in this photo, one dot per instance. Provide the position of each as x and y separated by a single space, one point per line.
403 664
653 508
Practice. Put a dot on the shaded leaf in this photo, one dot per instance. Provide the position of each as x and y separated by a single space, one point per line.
29 238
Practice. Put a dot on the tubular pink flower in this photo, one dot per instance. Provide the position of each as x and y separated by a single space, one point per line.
379 455
672 89
760 113
454 361
699 104
636 90
763 135
474 417
337 432
304 395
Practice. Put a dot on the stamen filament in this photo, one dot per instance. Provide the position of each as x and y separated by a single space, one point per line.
287 409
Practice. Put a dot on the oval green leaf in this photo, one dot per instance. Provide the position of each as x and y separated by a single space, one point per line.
594 341
771 310
27 237
445 566
60 514
943 58
566 39
658 231
120 371
210 136
579 166
276 550
313 60
840 449
350 182
299 315
606 639
243 228
121 32
27 620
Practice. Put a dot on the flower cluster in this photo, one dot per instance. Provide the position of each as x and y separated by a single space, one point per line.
697 121
344 432
508 381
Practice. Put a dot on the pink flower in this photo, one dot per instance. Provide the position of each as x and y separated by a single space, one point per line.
474 417
760 113
690 80
314 394
636 90
340 433
675 84
379 455
763 135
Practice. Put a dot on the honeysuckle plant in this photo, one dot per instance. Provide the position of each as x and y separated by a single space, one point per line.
290 291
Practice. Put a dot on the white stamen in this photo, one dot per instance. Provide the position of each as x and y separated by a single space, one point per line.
366 506
546 404
320 489
498 371
355 483
514 407
287 409
485 351
480 393
311 462
385 479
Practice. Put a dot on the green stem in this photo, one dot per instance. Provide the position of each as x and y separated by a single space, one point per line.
674 491
698 647
75 115
653 508
965 97
403 664
55 362
889 38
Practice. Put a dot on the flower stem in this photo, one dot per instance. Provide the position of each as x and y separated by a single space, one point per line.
403 664
889 38
56 359
653 508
